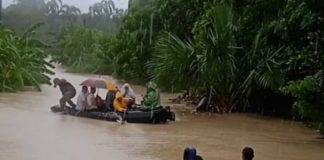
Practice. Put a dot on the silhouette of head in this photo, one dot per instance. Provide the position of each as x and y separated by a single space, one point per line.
84 89
189 153
93 90
119 96
247 153
56 81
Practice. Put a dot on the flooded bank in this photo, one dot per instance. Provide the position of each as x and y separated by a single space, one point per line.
29 131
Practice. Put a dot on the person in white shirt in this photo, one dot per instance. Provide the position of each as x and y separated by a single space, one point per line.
82 99
91 100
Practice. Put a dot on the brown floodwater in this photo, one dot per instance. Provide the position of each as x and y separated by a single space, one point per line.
29 131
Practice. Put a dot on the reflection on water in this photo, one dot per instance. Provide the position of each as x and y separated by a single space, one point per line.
29 131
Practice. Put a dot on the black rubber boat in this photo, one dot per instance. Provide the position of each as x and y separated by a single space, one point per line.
160 115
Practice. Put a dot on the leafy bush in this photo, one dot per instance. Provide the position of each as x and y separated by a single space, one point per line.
22 60
213 64
79 49
309 94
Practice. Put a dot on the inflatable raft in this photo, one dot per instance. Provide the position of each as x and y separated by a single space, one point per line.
160 115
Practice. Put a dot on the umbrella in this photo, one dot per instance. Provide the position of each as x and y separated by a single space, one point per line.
98 83
111 86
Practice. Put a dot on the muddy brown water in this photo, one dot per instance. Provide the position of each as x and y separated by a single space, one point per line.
29 131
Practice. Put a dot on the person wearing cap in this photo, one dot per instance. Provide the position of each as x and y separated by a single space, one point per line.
68 92
247 153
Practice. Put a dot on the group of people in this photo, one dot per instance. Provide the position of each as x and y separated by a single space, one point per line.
87 100
118 100
190 153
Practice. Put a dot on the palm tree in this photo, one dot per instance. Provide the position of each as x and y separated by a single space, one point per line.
69 10
213 64
108 7
96 9
70 13
53 7
104 8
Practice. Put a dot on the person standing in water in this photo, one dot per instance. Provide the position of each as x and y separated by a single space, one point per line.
68 92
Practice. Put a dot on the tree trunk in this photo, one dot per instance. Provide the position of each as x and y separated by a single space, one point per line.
0 10
209 98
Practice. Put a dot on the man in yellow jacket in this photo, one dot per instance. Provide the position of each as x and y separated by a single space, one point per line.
120 103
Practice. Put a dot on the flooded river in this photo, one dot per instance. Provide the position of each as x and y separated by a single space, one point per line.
29 131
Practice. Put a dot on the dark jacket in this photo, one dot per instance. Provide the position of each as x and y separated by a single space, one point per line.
66 86
110 100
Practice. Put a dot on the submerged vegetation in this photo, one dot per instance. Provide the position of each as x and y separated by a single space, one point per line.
261 56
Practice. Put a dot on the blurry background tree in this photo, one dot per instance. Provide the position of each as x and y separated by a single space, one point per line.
0 10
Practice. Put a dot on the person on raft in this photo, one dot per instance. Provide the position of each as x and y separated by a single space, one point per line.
68 92
120 103
128 93
82 99
110 97
91 100
151 100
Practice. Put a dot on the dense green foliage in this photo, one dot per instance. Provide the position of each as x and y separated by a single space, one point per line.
22 60
214 63
79 50
238 52
59 16
309 93
77 42
24 14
